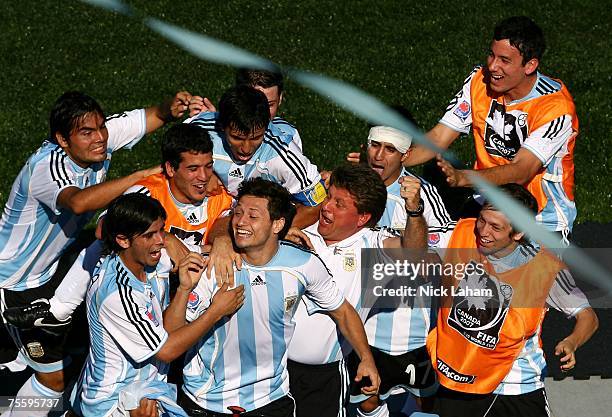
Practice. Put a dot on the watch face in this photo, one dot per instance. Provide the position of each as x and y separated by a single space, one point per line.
418 211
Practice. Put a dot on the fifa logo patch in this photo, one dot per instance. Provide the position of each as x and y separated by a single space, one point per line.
463 110
35 350
193 301
433 239
349 262
290 302
151 315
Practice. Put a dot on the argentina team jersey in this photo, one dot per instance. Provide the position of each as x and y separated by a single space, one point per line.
34 231
126 331
276 160
242 361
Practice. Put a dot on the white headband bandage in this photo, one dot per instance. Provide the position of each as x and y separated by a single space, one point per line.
397 138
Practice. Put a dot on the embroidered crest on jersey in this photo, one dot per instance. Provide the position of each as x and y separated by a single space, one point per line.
349 261
151 315
290 302
505 132
35 350
193 301
463 110
258 280
433 239
192 237
479 318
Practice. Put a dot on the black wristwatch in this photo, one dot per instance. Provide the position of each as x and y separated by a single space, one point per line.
419 211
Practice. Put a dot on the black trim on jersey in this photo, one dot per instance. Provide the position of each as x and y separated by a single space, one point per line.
554 127
116 116
435 201
564 282
304 249
298 169
143 190
455 99
143 326
280 121
59 173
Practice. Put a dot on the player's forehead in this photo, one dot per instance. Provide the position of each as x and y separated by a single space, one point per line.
193 157
502 48
494 217
89 120
236 134
383 144
253 203
342 193
271 93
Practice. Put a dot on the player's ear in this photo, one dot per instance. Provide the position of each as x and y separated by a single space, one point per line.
169 169
363 219
61 141
122 241
517 236
531 66
406 155
280 98
277 225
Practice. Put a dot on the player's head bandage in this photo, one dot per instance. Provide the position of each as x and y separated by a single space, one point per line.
397 138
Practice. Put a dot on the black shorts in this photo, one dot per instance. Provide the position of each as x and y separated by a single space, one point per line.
44 352
283 407
457 404
411 371
318 390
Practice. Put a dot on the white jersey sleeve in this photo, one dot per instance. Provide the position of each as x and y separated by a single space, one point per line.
550 139
135 322
126 129
53 174
458 114
321 289
565 296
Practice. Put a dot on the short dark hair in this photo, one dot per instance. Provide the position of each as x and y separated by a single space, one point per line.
69 110
181 138
243 108
129 215
519 194
279 200
259 78
366 187
524 34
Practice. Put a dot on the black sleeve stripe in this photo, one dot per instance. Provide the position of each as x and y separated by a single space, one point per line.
289 159
562 284
116 116
58 173
63 164
143 190
555 127
52 171
130 307
567 279
280 121
548 85
468 79
435 201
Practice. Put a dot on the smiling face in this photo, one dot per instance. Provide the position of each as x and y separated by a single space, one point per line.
255 233
244 145
506 73
338 218
88 140
385 160
494 234
274 98
143 250
188 182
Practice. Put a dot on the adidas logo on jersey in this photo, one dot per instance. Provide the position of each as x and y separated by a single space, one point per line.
258 280
236 173
193 219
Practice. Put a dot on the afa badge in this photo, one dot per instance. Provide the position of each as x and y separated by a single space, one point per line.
290 302
35 350
349 262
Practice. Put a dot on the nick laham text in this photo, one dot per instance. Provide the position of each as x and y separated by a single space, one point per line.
430 291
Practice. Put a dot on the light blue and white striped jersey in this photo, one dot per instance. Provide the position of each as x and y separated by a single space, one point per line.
34 231
291 135
344 260
439 223
529 368
276 160
126 331
401 330
243 360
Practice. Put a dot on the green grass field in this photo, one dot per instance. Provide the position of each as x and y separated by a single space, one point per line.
402 52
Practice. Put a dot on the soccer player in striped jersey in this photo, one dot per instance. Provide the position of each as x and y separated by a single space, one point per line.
355 203
246 146
181 189
524 124
495 365
242 363
134 329
51 200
